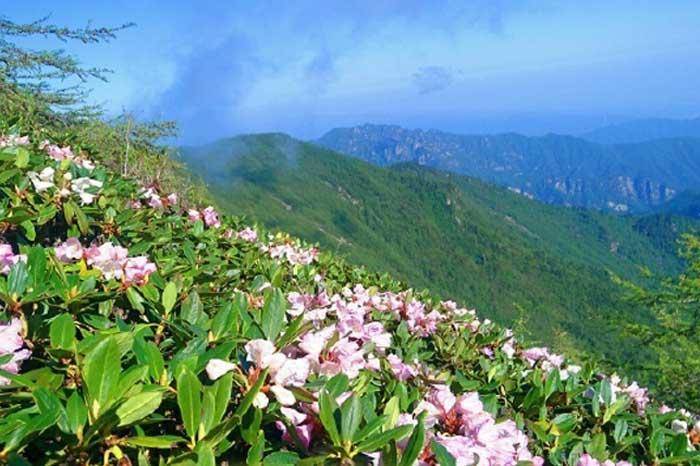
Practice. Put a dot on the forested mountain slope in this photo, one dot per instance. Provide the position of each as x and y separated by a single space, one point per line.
509 256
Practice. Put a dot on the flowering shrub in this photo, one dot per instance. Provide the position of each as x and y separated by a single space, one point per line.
135 330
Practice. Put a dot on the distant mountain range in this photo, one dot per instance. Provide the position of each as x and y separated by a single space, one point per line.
645 130
513 258
555 169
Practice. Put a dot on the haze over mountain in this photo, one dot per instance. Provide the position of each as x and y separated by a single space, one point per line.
507 255
556 169
645 130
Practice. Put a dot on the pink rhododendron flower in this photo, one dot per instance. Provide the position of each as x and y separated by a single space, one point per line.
108 259
8 258
588 460
508 348
172 198
293 255
283 371
211 217
639 396
56 152
194 215
548 360
247 234
305 426
11 343
401 370
471 434
70 250
663 409
137 270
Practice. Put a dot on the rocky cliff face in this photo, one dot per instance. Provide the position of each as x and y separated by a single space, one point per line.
555 169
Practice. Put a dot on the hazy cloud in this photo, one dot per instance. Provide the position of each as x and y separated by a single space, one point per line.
209 85
432 79
320 71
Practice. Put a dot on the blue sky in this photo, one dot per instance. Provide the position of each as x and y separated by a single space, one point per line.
223 68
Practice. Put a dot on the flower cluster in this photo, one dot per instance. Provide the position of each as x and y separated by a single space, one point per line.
638 395
471 434
588 460
247 234
8 258
60 154
12 343
13 140
112 261
548 361
86 188
154 199
293 254
209 215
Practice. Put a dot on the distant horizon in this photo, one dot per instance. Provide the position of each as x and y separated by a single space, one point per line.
429 128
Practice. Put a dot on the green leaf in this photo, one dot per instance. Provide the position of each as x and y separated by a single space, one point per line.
224 321
192 310
102 367
281 458
18 278
148 353
256 451
169 297
205 456
76 413
415 443
351 415
139 406
273 314
163 441
189 400
443 457
62 332
29 230
379 441
83 224
606 392
22 159
392 412
327 408
135 299
219 395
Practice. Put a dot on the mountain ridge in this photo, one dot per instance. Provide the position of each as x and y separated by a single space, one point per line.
645 129
557 169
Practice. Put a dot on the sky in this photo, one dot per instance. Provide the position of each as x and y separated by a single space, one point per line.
221 68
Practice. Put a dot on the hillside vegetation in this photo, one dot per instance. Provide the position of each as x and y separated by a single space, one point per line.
519 262
137 332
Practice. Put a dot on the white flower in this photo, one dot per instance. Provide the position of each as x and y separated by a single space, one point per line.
292 372
80 187
679 427
42 180
260 352
261 401
284 396
218 367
